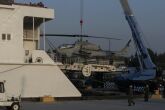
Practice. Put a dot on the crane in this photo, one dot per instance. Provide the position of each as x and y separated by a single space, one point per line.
147 72
147 68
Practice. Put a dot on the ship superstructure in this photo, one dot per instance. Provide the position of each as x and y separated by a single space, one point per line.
29 71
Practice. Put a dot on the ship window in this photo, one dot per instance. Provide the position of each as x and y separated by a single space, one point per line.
2 90
3 36
8 37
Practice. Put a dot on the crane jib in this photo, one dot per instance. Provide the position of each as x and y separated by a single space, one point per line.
137 35
138 42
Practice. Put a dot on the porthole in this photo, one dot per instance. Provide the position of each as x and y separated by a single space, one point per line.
39 60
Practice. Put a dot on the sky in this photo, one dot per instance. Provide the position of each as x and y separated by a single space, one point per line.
105 18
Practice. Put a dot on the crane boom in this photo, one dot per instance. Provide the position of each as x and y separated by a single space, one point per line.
137 36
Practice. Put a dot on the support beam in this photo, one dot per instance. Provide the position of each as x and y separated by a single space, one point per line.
44 34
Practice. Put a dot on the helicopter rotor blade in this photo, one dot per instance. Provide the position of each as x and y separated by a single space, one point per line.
103 37
77 35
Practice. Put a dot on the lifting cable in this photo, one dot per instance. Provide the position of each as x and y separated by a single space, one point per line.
81 17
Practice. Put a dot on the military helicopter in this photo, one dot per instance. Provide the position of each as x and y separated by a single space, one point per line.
81 48
84 61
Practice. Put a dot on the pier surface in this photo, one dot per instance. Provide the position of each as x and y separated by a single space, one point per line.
96 105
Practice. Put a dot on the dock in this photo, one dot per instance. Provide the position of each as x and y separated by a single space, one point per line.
121 104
